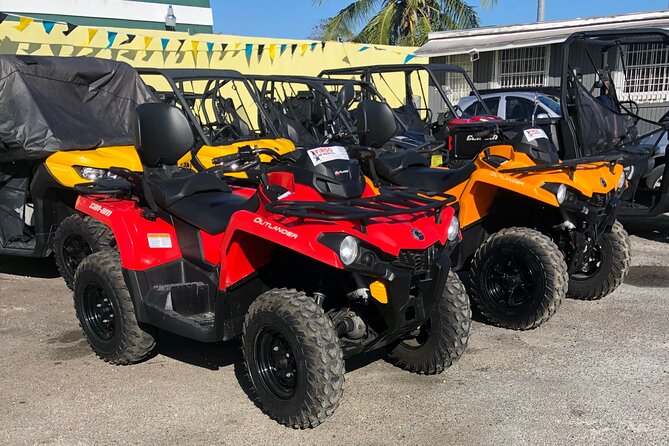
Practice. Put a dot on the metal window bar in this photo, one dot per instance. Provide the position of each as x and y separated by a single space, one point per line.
522 67
458 86
647 76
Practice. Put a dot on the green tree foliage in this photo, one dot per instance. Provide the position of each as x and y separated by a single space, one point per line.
399 22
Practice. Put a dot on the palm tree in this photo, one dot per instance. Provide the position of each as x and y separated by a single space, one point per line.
400 22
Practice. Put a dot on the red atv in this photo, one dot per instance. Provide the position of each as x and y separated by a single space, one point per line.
309 268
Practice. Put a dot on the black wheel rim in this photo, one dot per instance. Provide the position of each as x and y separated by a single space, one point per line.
512 282
277 367
419 337
591 266
98 312
75 250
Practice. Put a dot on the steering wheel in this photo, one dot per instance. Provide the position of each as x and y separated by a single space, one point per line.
220 131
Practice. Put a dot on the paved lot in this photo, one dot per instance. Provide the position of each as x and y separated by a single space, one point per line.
597 373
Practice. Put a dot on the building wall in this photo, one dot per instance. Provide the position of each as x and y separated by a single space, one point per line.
35 41
193 16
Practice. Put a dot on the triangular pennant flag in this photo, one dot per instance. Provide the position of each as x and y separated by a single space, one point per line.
237 45
147 42
283 49
364 48
23 23
272 52
305 47
323 45
48 26
249 50
164 41
313 46
210 47
194 44
409 58
293 48
223 47
181 44
111 36
70 27
129 39
3 16
261 48
91 34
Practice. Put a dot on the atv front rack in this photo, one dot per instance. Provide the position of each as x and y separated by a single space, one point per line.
391 201
572 165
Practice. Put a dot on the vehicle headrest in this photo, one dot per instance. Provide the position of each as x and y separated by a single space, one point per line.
162 134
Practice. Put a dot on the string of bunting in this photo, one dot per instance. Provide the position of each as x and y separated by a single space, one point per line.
196 45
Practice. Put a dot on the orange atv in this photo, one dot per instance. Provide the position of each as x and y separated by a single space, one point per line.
534 228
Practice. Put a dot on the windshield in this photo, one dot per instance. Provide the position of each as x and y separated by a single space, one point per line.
223 110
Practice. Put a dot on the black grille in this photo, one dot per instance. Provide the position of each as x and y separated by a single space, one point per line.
600 200
419 261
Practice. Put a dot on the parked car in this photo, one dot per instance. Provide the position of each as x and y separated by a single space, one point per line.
512 105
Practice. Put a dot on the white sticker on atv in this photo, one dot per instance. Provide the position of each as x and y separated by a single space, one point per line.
534 134
321 155
160 241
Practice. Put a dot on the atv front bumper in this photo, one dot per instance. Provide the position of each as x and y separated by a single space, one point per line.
585 222
410 299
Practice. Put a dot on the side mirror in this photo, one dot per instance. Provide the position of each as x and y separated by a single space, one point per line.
375 124
162 134
542 116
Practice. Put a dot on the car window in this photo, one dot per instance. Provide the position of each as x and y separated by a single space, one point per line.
550 103
476 109
519 108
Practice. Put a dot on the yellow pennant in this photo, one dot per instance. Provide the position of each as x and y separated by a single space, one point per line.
195 44
91 34
147 42
304 48
237 45
272 51
23 23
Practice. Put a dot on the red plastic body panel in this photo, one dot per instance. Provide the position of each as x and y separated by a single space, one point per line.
132 231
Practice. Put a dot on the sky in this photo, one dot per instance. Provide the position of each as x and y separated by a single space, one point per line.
296 19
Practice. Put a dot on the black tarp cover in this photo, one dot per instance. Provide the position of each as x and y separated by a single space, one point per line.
49 104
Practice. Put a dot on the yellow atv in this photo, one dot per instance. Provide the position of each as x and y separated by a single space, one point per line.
533 227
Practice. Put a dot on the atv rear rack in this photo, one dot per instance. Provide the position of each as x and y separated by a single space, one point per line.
391 201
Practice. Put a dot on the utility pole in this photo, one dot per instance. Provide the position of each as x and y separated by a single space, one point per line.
541 10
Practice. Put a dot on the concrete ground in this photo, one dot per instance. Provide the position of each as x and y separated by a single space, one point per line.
597 373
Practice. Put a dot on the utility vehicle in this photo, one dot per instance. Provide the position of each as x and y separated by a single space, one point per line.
309 268
557 217
62 122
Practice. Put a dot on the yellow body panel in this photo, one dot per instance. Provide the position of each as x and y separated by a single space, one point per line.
477 194
62 164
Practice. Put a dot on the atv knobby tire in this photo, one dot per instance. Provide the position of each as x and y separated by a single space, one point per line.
76 238
293 358
518 278
614 260
443 338
106 312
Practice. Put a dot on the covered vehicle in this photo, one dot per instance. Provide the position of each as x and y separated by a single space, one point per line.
62 121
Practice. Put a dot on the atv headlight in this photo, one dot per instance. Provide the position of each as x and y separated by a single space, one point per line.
622 181
94 174
454 229
348 250
560 191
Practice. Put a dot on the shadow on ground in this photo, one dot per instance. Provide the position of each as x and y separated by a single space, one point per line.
655 229
646 276
42 268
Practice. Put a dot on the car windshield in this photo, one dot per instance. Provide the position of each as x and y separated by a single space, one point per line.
551 103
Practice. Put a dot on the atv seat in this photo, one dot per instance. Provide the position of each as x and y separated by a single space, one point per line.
389 166
211 211
200 199
433 180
